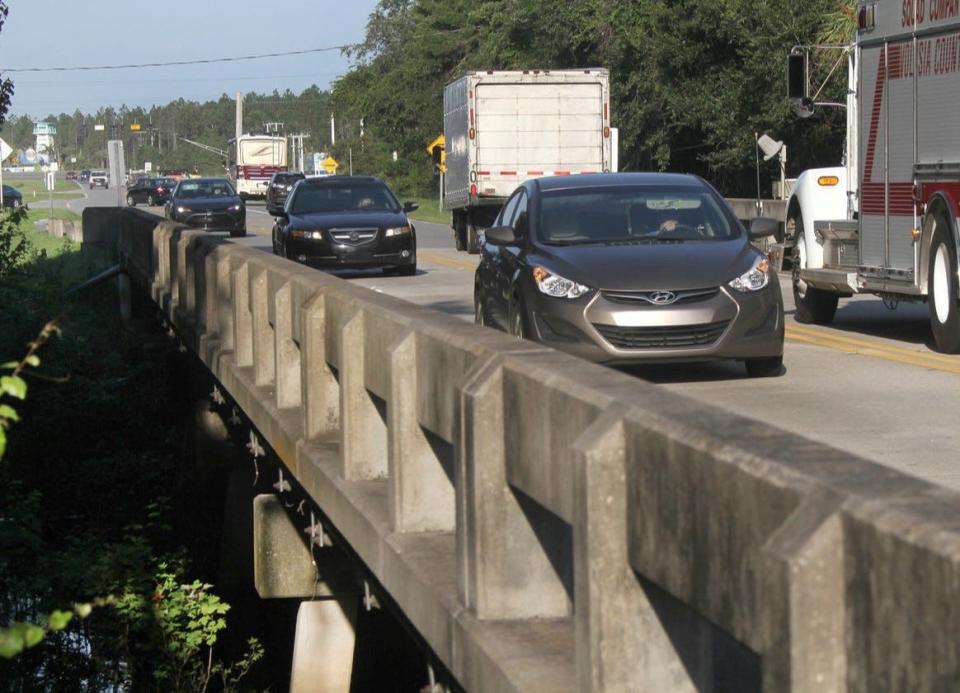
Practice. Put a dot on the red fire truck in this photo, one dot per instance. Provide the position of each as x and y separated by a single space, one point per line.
900 238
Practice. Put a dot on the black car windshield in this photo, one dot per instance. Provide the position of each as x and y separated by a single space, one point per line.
190 189
633 213
343 197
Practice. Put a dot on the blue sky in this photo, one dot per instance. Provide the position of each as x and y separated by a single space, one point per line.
53 33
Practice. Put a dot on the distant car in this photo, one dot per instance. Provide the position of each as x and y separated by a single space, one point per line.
85 175
12 197
346 222
71 175
210 204
278 188
98 179
626 268
153 191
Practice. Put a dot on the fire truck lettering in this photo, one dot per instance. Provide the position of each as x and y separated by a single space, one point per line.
943 9
912 9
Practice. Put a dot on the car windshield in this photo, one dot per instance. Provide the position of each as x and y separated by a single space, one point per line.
169 182
343 197
632 214
190 189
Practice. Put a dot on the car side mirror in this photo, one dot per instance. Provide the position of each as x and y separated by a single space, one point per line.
761 227
410 206
280 214
500 235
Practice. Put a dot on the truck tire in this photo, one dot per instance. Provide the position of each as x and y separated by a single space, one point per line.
460 232
473 238
814 306
942 289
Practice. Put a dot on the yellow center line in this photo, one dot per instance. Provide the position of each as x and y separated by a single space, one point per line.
863 347
447 261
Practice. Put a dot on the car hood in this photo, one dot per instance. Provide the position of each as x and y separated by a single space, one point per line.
651 266
351 219
200 204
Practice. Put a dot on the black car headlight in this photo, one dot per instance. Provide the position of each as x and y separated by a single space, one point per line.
182 210
755 278
554 285
398 231
236 208
304 234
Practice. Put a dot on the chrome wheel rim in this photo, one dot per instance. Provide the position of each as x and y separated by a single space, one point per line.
941 284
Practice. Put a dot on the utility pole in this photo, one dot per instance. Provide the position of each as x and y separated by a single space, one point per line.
333 131
239 124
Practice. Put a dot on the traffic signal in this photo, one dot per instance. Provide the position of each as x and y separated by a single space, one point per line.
439 155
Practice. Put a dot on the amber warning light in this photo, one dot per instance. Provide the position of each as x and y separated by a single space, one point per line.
828 181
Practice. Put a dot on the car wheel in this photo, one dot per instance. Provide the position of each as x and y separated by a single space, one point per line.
460 234
517 323
16 203
151 202
814 306
130 201
765 368
473 238
407 270
479 317
942 289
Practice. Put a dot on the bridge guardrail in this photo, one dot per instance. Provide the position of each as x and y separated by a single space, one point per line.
549 524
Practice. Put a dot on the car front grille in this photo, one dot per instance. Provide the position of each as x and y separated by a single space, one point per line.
663 337
648 297
209 220
353 236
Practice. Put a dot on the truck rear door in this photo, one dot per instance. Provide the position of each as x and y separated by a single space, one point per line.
526 130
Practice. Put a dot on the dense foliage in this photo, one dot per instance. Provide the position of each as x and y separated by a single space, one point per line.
691 80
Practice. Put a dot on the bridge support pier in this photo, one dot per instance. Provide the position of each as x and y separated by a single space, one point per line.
285 567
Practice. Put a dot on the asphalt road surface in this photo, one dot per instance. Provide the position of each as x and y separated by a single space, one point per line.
869 384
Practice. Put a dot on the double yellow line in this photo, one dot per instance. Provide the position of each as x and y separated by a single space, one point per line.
453 263
830 339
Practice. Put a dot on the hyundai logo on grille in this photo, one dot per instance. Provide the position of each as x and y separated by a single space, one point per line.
662 298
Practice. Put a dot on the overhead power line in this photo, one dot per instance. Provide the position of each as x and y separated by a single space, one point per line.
199 61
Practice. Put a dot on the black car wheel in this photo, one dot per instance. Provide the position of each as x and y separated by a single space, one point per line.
764 368
517 323
130 201
151 201
479 318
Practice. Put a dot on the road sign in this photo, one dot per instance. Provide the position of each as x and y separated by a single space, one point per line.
147 166
438 142
135 127
330 165
5 150
99 127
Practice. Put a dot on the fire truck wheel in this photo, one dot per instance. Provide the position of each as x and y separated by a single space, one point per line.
460 233
942 290
814 306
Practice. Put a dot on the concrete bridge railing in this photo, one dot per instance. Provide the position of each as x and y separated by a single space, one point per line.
547 524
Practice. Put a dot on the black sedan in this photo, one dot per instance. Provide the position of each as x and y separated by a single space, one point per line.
153 191
279 187
631 268
12 197
210 204
346 222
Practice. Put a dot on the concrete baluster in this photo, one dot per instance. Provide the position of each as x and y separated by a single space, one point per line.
225 302
503 569
242 319
287 352
321 391
421 492
363 431
264 359
623 640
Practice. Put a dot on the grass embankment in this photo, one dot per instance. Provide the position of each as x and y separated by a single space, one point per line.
429 210
33 189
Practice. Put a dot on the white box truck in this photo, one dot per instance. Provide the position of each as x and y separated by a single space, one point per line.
504 127
899 237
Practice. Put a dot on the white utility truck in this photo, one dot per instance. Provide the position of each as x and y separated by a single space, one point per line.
503 128
890 227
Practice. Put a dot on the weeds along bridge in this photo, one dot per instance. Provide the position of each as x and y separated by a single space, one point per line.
546 524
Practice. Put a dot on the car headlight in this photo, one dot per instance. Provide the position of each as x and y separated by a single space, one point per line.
307 235
554 285
398 231
181 210
755 278
236 208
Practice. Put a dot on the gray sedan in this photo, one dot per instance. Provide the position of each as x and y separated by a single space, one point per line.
631 268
